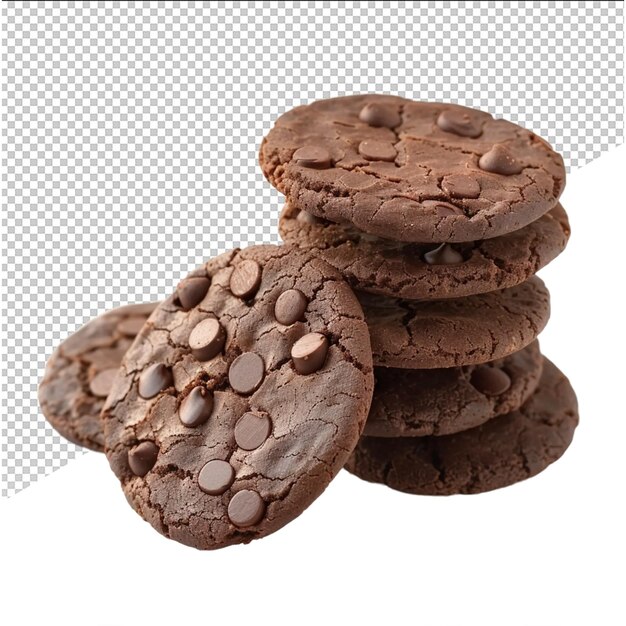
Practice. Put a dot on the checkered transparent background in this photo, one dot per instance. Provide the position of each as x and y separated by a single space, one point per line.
132 132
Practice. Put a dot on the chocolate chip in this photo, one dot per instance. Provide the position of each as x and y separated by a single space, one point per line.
461 186
460 123
309 353
245 279
499 160
290 307
307 218
216 477
377 150
154 379
314 157
207 339
490 380
100 384
246 508
246 373
377 114
251 430
444 254
196 408
131 325
142 457
442 209
191 291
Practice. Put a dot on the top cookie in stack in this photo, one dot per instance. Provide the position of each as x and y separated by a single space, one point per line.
417 200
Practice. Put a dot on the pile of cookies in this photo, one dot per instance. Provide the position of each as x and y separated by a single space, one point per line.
394 334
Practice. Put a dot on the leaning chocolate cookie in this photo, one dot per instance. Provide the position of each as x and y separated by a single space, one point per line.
416 403
429 271
78 376
501 452
242 397
461 331
412 171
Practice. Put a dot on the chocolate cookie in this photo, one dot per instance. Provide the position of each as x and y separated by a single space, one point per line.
501 452
412 171
78 376
427 271
461 331
415 403
242 397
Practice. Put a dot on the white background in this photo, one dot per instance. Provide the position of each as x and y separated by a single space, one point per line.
547 551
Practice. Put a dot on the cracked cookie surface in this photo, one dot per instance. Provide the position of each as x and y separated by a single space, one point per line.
411 171
418 271
460 331
503 451
78 376
417 403
242 398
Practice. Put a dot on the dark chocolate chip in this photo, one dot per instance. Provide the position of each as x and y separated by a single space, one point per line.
444 254
499 160
100 384
442 209
490 380
461 186
377 114
460 123
246 373
142 457
314 157
246 508
191 291
207 339
154 379
131 325
290 306
216 477
251 430
245 279
196 408
309 353
377 150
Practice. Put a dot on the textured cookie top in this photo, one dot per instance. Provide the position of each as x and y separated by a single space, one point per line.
460 331
242 398
416 403
430 271
412 171
79 375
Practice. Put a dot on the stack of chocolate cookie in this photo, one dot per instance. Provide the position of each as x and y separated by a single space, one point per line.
438 216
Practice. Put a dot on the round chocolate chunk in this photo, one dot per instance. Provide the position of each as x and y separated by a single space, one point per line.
207 338
380 113
154 379
142 457
246 373
444 254
501 452
216 477
461 186
245 279
196 408
491 381
100 384
499 160
377 150
315 157
285 436
246 508
460 122
309 353
403 200
190 291
398 269
290 307
79 374
252 430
